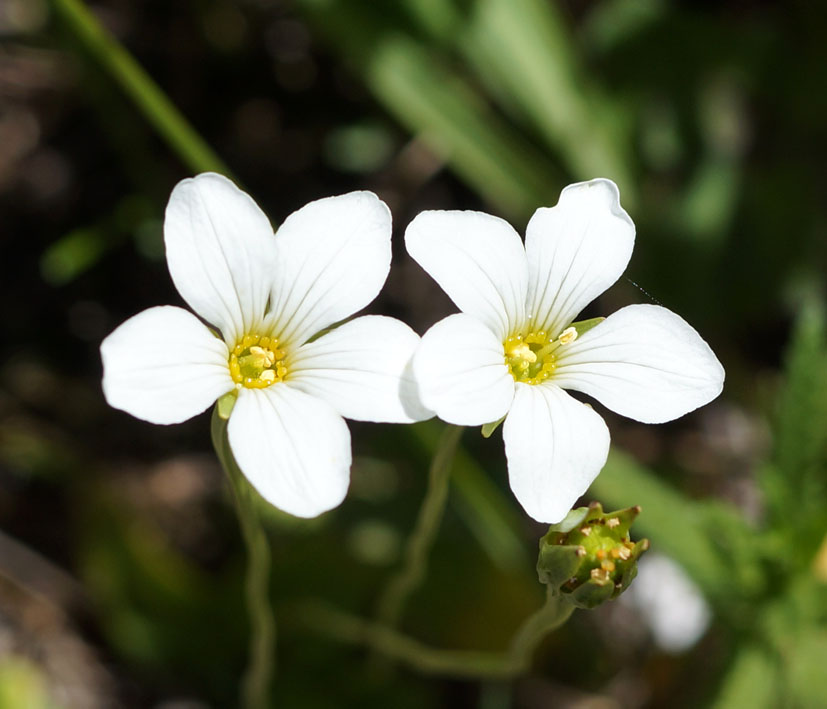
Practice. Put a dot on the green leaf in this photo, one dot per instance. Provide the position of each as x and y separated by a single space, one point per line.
695 533
806 679
753 681
795 479
437 103
523 53
71 255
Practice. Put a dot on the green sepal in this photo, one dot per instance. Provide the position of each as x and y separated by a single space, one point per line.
584 326
559 563
630 570
588 557
224 405
570 521
489 428
592 593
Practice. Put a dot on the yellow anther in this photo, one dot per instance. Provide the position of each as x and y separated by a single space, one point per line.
568 335
612 522
623 553
523 351
601 575
256 362
529 357
608 565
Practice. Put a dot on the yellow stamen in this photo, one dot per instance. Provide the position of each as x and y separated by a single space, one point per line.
530 358
568 335
256 362
601 575
523 351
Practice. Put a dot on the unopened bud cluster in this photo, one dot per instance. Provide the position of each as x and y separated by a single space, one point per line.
589 557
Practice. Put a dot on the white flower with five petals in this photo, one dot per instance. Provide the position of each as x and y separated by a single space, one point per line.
268 296
512 351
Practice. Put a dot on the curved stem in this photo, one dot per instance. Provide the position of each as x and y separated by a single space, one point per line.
455 663
258 676
421 540
551 616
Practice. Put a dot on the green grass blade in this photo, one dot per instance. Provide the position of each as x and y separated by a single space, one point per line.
439 105
141 89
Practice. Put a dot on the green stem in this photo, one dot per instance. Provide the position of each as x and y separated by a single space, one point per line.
144 92
551 616
258 676
422 538
454 663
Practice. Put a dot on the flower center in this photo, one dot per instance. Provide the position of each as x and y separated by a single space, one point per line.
257 362
530 358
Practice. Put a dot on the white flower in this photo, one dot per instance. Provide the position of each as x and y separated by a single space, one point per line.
268 295
512 349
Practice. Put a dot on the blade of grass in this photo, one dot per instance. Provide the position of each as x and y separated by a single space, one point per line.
141 89
525 55
438 103
675 524
752 681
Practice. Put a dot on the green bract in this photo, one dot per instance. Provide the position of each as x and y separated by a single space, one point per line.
589 557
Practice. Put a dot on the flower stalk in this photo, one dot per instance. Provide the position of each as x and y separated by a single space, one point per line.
452 663
257 679
421 540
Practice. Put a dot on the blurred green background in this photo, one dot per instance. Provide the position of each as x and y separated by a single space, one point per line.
121 564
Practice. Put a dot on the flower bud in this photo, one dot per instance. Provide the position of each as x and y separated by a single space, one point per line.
588 557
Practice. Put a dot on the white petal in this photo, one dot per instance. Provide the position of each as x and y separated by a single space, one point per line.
643 362
478 260
575 251
461 373
555 446
363 370
221 253
164 366
293 448
333 256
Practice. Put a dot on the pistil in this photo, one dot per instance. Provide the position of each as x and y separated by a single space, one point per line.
257 362
530 358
